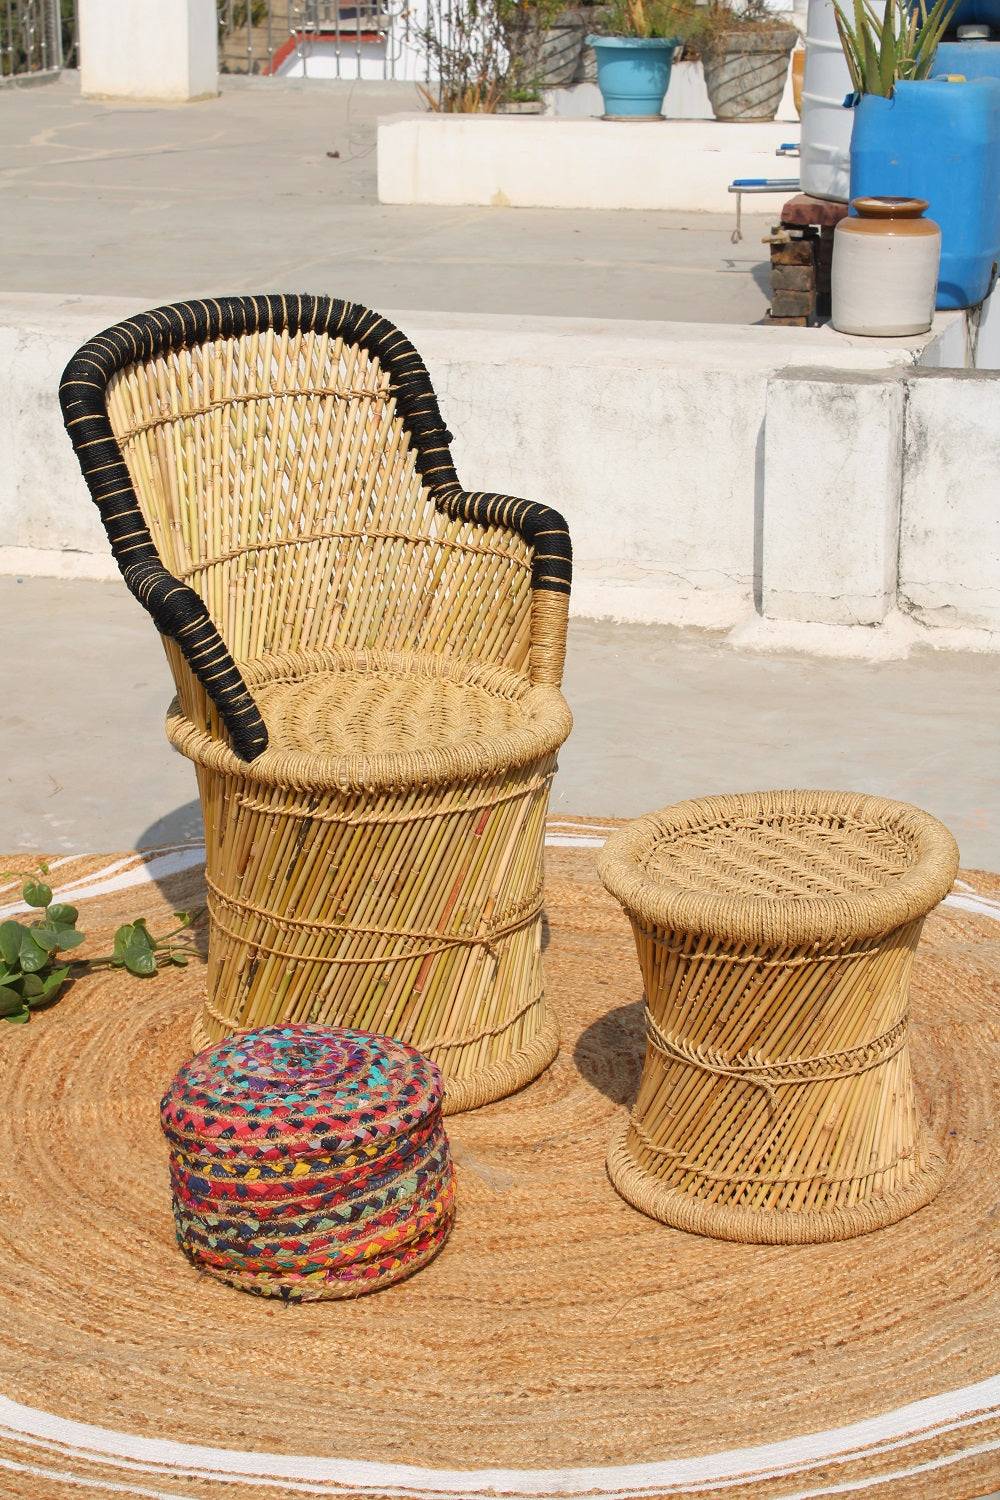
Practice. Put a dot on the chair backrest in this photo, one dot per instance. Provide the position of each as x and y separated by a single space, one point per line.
275 476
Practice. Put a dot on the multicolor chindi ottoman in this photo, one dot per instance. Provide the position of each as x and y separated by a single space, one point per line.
309 1162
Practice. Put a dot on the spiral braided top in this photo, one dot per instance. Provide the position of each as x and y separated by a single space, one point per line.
307 1162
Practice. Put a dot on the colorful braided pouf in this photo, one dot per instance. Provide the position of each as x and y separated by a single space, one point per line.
309 1162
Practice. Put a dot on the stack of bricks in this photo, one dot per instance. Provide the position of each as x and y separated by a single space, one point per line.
801 258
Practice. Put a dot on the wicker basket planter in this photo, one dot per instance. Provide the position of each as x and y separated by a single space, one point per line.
775 934
367 661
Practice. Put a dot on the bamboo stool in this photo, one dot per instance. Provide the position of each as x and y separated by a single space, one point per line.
367 660
776 933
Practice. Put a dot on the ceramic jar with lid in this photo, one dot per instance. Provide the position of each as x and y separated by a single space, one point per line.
885 268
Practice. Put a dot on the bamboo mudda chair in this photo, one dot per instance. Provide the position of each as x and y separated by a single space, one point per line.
367 660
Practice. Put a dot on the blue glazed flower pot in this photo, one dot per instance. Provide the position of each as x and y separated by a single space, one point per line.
633 74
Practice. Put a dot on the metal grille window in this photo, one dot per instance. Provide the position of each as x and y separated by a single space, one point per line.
31 37
259 36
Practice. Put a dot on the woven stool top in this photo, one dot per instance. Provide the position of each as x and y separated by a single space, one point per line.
782 869
300 1089
372 719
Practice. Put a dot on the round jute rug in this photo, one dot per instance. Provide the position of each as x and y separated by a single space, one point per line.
561 1344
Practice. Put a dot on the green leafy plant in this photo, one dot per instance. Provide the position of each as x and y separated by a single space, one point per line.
899 44
33 971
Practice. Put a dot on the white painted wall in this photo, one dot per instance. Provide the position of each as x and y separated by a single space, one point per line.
949 559
752 479
149 49
833 476
544 162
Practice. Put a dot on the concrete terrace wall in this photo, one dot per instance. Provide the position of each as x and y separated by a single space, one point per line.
793 486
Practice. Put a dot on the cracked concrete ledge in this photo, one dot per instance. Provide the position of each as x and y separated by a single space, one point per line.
898 636
701 475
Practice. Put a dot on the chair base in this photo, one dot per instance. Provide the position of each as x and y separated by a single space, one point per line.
719 1221
496 1081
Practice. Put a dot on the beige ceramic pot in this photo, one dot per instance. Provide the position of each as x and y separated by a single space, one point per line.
885 268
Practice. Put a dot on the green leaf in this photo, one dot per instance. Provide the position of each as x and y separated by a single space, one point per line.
10 942
887 67
36 894
31 955
180 959
121 939
50 987
32 984
140 963
10 1001
44 936
19 1016
8 976
53 937
62 914
134 948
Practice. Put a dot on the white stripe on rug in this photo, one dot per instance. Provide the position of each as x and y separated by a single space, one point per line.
920 1421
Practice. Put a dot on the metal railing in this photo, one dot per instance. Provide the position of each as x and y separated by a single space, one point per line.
259 36
31 37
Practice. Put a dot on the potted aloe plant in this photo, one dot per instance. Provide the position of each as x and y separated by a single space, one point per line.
917 136
635 57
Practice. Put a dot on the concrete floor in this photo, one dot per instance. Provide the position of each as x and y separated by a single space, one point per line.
242 194
660 715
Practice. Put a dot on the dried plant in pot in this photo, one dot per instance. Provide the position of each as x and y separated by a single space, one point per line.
546 43
635 56
745 51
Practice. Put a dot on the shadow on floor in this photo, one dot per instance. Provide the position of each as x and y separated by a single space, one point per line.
171 849
609 1053
181 826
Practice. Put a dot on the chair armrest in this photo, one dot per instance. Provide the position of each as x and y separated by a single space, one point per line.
179 613
546 533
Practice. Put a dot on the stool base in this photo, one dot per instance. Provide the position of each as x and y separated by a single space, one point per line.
496 1081
769 1227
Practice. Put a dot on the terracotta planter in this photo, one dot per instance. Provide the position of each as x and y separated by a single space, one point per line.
885 268
745 72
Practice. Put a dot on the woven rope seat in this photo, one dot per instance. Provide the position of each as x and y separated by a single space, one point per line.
308 1163
367 660
776 933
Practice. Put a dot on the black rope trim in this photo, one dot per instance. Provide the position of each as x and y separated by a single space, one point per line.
175 607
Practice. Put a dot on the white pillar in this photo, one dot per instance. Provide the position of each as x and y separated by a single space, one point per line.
149 49
833 447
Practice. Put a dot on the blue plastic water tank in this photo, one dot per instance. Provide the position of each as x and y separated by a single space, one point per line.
976 12
973 59
940 141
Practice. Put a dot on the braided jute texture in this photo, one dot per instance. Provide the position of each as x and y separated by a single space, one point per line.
557 1329
308 1162
775 933
380 865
